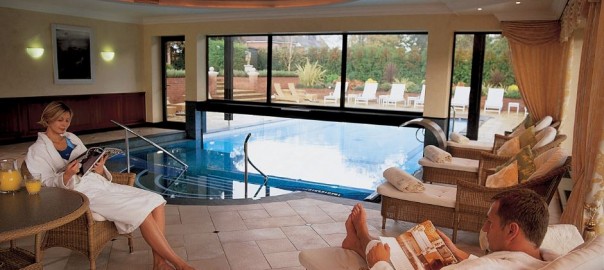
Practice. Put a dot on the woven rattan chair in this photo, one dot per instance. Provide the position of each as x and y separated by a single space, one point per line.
86 235
473 200
468 206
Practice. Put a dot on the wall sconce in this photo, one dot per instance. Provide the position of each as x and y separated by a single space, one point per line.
35 52
107 56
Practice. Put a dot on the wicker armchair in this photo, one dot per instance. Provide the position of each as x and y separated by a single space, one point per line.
86 235
473 200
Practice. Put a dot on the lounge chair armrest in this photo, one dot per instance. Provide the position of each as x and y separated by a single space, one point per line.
465 152
489 161
499 141
123 178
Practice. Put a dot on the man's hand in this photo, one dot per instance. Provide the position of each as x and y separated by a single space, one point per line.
378 253
458 253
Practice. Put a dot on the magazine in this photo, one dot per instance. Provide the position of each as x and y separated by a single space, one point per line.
419 248
89 158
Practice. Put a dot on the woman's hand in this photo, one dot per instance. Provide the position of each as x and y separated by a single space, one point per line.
100 165
380 252
72 168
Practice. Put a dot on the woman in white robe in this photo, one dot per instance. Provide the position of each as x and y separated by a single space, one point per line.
128 207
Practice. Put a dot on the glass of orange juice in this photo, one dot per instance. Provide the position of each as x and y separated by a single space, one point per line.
33 183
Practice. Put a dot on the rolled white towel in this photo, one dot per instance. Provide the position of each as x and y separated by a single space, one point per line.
458 138
403 181
437 155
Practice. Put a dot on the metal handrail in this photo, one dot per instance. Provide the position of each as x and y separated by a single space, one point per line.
128 130
247 159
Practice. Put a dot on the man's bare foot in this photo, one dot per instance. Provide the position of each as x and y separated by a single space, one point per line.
351 242
359 219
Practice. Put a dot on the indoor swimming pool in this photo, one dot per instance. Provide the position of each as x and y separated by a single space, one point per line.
339 159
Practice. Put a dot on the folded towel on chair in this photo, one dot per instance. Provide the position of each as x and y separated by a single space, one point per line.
403 181
458 138
437 155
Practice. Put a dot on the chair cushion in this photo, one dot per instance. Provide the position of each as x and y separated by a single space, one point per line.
526 164
331 258
527 137
439 195
456 164
505 177
584 257
545 136
562 238
551 159
458 138
510 147
473 145
543 123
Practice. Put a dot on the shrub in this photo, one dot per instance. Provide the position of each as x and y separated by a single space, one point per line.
390 72
512 92
310 74
384 86
175 73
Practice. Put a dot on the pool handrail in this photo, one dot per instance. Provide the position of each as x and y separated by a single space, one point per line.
247 159
128 130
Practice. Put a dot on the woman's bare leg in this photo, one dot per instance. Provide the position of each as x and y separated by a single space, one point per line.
153 235
158 214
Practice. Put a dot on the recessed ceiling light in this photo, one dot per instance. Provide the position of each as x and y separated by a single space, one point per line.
518 2
479 9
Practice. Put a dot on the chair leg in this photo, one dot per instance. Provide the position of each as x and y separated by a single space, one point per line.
383 223
92 264
131 244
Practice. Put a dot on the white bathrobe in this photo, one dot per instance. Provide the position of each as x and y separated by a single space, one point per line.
501 260
126 206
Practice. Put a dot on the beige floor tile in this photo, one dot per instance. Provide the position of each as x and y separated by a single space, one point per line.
274 222
203 246
334 240
173 219
180 229
245 256
172 210
275 245
279 209
283 259
228 221
330 208
304 237
253 214
193 214
139 257
312 213
224 208
251 235
329 228
291 268
215 263
339 216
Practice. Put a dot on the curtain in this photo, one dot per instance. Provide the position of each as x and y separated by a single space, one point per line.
539 62
588 141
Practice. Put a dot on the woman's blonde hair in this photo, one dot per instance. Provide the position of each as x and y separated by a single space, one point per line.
53 111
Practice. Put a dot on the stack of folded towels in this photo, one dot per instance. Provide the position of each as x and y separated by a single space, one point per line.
437 155
458 138
402 180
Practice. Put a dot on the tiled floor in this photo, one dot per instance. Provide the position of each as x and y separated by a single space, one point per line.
264 234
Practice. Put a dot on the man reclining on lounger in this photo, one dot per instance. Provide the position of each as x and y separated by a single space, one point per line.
515 226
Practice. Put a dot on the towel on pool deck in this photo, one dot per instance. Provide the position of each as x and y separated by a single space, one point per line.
458 138
403 181
437 155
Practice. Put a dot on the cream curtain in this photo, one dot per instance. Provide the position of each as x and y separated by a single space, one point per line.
588 137
539 62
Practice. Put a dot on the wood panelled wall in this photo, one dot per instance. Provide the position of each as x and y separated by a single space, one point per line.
19 116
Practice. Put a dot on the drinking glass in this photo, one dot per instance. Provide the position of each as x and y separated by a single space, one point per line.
33 183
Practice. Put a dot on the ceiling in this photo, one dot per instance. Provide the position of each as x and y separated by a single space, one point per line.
504 10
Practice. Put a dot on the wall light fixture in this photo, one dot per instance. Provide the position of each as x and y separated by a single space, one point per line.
35 52
107 56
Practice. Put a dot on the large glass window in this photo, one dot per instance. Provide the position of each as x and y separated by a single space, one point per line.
386 71
306 69
383 71
174 78
237 68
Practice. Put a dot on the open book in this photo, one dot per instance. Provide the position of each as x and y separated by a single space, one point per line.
419 248
92 156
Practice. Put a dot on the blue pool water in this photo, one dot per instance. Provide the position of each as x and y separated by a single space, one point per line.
341 159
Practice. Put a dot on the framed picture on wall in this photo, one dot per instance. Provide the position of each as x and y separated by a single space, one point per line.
72 54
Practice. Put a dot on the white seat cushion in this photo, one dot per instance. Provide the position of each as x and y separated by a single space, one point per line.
562 238
545 136
440 195
548 161
456 164
587 256
543 123
331 258
473 145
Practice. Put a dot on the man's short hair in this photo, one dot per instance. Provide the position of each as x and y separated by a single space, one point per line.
527 209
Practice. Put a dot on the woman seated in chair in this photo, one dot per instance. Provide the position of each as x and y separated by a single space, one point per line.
128 207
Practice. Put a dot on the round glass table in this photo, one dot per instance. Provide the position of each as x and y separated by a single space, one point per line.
24 215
